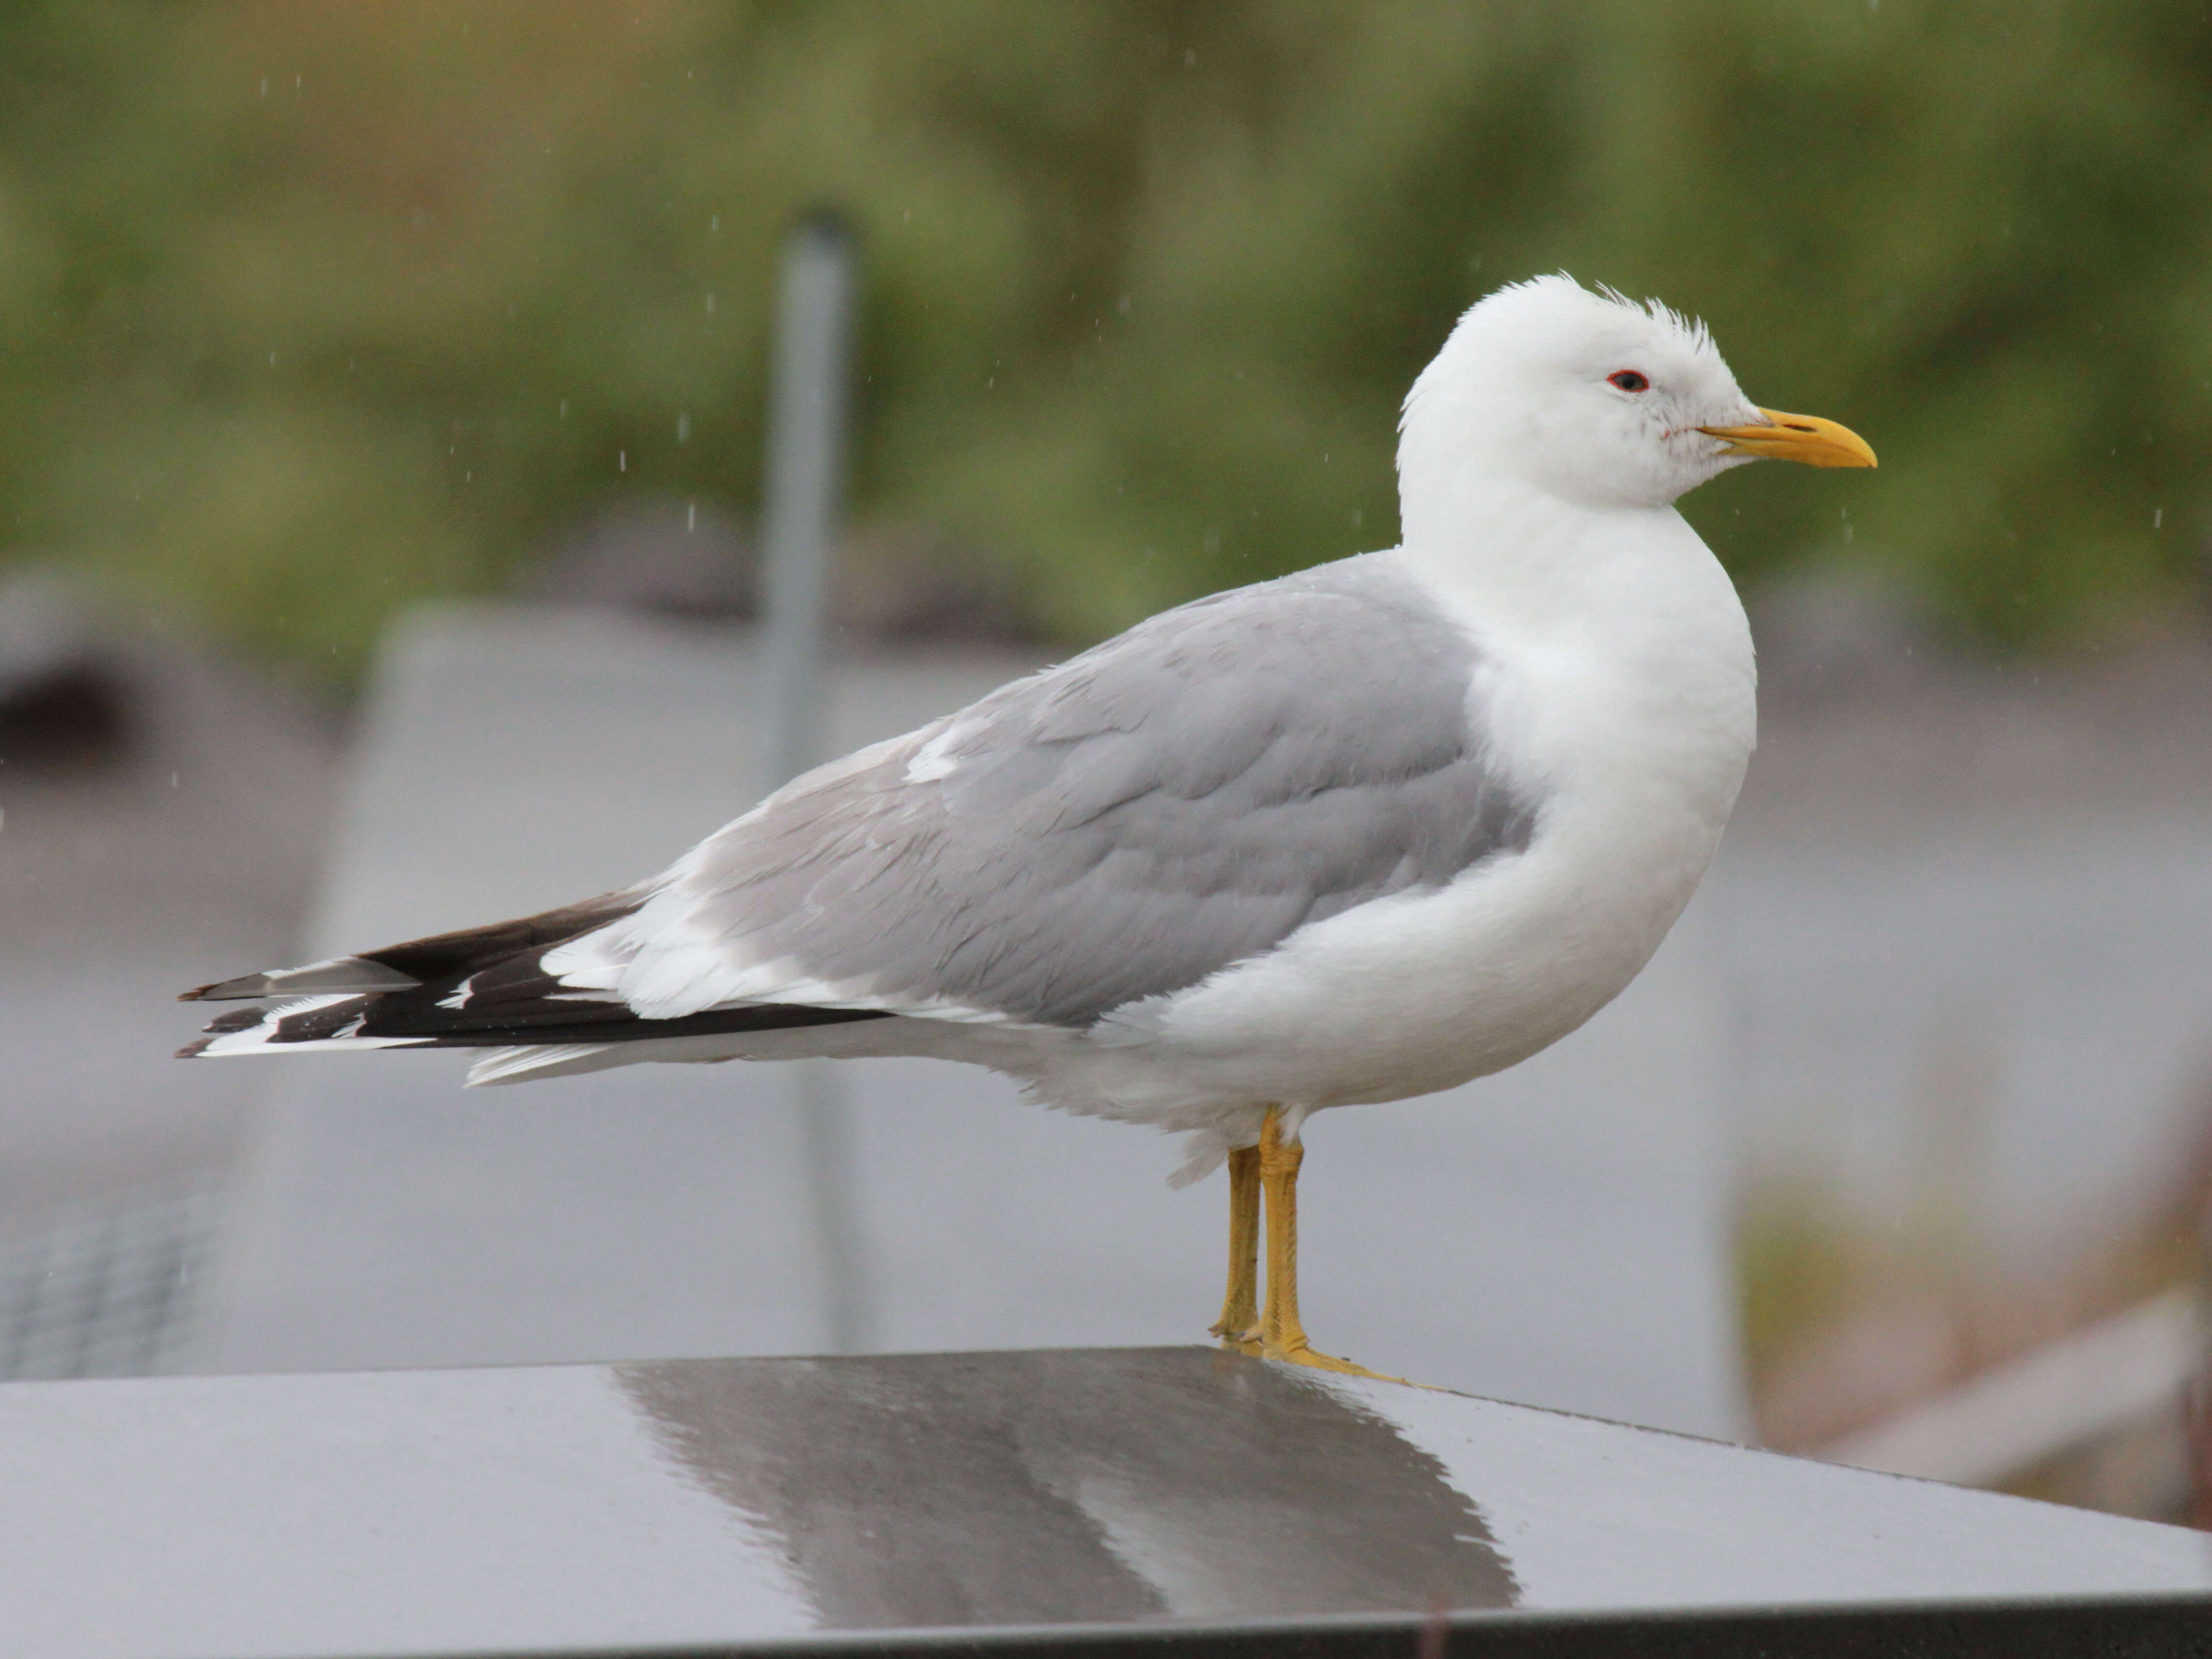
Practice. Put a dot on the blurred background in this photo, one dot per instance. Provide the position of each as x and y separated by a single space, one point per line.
346 350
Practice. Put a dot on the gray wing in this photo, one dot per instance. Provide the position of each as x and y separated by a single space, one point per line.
1183 797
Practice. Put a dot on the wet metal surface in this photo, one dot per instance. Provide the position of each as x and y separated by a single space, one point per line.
714 1504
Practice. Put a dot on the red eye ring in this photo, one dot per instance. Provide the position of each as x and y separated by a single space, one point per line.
1628 380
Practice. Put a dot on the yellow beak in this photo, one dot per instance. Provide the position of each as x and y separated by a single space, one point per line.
1806 438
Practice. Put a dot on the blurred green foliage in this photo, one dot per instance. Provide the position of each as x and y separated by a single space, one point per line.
311 309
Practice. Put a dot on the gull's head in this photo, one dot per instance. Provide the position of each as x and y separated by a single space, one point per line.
1593 399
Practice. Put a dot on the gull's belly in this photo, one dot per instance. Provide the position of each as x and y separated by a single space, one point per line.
1423 992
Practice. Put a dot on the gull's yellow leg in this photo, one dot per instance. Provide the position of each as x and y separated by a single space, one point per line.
1240 1307
1282 1334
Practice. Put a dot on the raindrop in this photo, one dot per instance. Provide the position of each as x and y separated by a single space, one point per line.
714 226
683 427
264 86
2158 520
1190 58
710 305
1212 540
1121 304
173 780
691 515
564 409
621 460
272 359
1358 518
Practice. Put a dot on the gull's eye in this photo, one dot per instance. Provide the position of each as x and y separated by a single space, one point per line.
1628 380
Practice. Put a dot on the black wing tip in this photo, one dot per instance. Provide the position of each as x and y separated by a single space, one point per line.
230 1022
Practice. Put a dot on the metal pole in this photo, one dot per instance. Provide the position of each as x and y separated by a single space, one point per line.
805 478
806 474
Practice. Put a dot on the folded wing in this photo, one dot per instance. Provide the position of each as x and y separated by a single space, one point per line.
1181 798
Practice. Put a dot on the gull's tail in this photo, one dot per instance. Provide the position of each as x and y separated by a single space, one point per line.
482 988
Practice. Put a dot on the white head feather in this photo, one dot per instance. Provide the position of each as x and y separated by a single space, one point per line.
1588 398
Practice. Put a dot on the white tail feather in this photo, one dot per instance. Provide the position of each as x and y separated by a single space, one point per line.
541 1060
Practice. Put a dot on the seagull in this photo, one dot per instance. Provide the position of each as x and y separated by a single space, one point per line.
1357 834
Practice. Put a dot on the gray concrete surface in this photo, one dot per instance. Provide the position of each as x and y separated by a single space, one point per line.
121 874
1554 1235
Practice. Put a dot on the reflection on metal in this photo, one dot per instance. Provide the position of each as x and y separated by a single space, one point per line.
805 478
1091 1486
825 1148
103 1290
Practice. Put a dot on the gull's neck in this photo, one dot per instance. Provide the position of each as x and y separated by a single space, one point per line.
1618 678
1526 561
